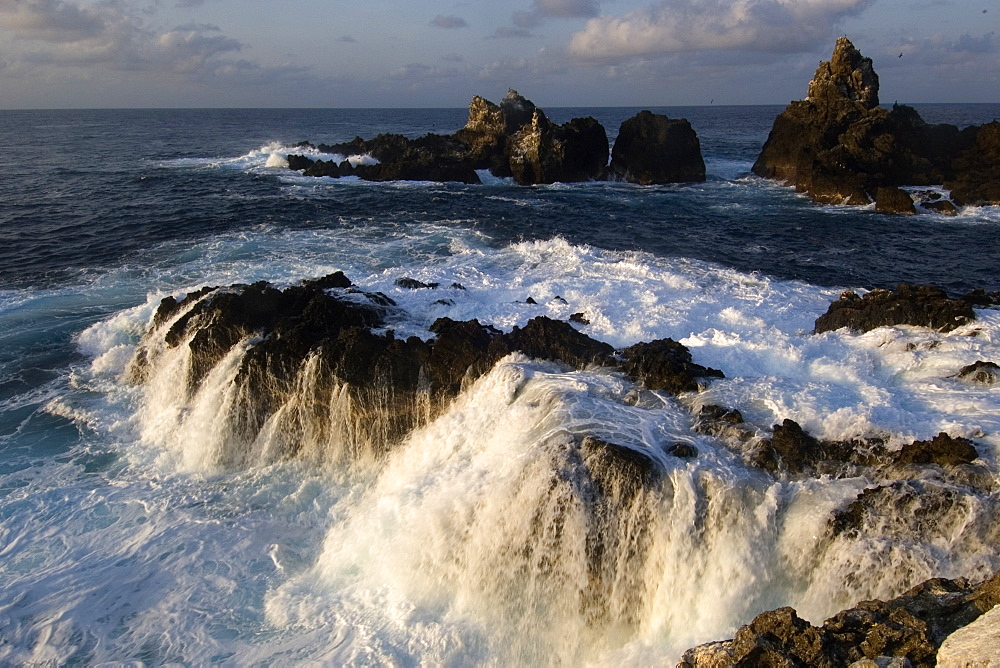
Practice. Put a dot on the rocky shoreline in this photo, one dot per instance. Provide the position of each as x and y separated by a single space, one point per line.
313 346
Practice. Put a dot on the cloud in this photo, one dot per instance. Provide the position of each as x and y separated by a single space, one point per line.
566 8
510 33
545 9
686 25
54 21
115 36
449 22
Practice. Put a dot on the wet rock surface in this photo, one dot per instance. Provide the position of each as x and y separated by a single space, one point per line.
329 326
920 305
912 626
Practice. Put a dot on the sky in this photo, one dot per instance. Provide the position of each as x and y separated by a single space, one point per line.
431 53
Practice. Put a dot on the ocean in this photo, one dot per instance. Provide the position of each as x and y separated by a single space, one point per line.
126 539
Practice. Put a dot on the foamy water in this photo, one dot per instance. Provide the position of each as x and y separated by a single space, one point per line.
434 555
135 530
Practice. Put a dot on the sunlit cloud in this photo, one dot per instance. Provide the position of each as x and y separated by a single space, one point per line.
686 25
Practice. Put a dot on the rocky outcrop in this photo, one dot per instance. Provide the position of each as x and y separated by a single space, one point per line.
542 152
921 305
912 626
653 149
976 179
840 147
664 365
514 138
791 450
329 330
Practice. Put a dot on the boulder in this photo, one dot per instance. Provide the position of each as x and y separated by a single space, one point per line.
653 149
542 152
944 207
911 626
840 147
664 365
894 200
922 305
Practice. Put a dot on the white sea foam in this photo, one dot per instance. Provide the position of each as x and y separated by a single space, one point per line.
414 558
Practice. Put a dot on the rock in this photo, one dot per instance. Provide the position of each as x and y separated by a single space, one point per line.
944 207
485 134
414 284
979 298
902 509
683 450
314 346
985 373
792 450
517 110
653 149
977 170
579 318
894 200
911 626
974 645
545 338
541 152
840 147
922 306
942 450
664 365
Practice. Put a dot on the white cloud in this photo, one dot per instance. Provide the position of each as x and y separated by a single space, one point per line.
685 25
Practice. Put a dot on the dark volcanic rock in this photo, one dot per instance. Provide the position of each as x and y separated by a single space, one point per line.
977 170
664 365
840 147
545 338
311 347
912 626
894 200
943 206
513 138
923 306
652 149
541 152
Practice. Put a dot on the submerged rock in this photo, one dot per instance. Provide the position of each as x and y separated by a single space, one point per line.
653 149
985 373
912 626
921 305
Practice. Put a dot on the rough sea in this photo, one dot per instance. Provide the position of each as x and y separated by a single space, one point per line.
124 542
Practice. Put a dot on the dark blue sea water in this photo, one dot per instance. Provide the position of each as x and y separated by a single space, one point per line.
123 540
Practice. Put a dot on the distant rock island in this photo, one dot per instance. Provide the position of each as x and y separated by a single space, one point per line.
840 147
516 139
